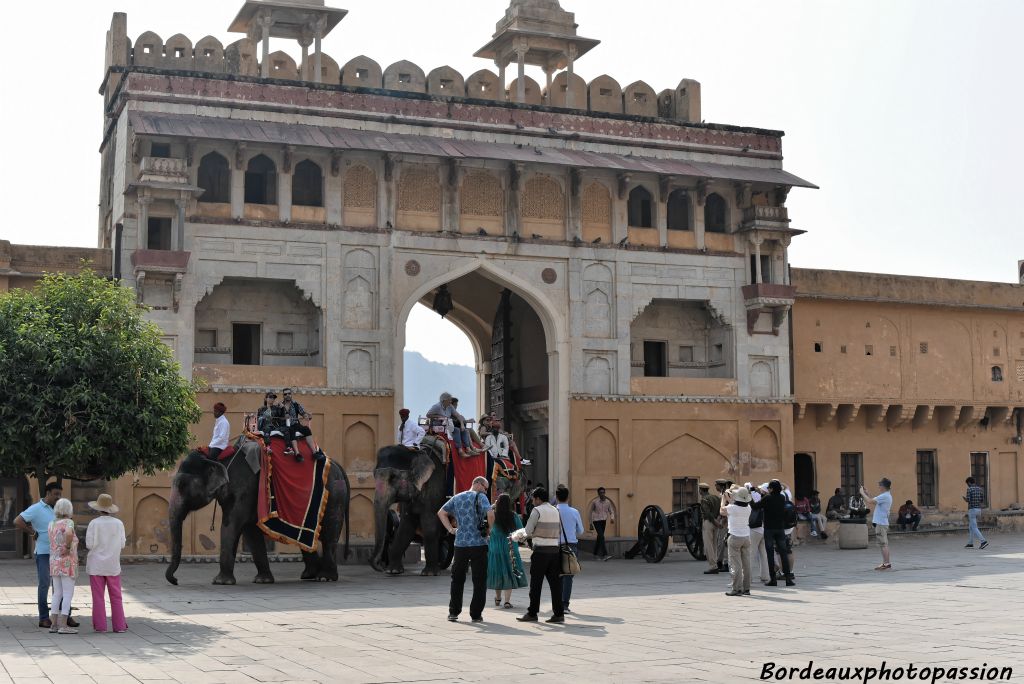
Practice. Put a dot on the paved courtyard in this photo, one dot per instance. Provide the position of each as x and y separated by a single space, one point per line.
632 622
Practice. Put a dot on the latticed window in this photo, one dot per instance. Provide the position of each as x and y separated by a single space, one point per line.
927 483
979 471
851 473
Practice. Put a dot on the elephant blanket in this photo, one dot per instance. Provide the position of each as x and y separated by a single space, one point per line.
292 496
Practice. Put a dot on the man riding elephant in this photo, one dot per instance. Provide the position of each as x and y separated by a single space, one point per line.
235 485
416 480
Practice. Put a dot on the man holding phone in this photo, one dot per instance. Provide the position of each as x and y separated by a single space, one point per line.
880 519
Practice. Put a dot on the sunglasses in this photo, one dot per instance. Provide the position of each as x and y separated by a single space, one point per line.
272 396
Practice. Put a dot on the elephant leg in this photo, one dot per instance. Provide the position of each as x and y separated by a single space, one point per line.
230 533
381 505
258 546
311 566
328 566
406 531
431 528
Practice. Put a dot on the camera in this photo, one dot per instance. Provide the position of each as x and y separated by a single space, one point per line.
483 528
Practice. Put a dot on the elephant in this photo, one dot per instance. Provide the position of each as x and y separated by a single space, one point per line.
235 487
417 482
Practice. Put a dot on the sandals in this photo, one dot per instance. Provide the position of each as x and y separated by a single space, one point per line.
884 566
508 605
497 601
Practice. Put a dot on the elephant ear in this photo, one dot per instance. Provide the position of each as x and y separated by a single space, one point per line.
217 477
422 469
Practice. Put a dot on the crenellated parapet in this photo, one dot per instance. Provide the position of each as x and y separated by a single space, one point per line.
566 90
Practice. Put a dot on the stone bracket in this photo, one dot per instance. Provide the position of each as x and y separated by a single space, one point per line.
847 414
826 414
899 415
923 416
946 416
966 417
875 414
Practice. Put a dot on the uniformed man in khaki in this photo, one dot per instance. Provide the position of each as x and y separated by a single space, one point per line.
709 507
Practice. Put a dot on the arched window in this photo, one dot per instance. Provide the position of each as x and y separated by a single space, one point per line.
215 178
308 185
714 214
261 181
678 210
641 208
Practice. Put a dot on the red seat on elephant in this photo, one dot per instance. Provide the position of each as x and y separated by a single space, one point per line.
293 495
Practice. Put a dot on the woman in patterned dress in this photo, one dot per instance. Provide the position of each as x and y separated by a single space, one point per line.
504 565
63 566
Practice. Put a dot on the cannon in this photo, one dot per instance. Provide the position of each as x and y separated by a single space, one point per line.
655 527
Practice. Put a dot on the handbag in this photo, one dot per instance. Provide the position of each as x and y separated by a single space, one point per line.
570 566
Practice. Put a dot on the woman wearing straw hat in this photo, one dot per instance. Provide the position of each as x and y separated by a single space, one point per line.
105 539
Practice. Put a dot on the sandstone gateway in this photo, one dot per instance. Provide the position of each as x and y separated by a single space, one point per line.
619 266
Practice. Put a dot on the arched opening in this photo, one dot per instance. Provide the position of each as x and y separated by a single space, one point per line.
261 181
803 475
510 356
257 323
641 208
215 179
308 185
679 210
715 213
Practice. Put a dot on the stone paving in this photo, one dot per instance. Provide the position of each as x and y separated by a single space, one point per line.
632 622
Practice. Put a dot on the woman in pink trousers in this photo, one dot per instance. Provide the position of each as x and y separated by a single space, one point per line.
105 539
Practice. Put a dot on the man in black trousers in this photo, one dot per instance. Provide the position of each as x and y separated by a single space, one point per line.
545 528
473 516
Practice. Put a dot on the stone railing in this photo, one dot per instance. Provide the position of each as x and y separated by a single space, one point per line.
163 166
764 213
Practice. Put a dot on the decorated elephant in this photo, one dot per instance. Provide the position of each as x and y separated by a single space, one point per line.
234 485
417 482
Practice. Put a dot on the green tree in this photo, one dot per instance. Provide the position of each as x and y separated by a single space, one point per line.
87 388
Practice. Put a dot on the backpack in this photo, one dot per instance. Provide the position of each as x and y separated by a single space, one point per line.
790 515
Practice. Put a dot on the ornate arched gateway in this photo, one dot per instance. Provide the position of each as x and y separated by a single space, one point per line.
662 347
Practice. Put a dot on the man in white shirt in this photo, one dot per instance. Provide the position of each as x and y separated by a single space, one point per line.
880 518
105 539
409 432
221 431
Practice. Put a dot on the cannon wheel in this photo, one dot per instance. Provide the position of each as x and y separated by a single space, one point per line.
652 534
445 550
694 535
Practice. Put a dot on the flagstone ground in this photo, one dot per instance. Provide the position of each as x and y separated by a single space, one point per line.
632 622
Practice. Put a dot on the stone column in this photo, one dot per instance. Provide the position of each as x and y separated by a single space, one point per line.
333 190
388 193
661 210
318 38
501 76
143 237
238 184
265 21
756 241
452 182
575 213
785 280
515 174
304 42
284 187
570 96
699 198
548 73
521 50
179 229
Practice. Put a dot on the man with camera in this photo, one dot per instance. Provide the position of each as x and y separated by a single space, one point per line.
473 518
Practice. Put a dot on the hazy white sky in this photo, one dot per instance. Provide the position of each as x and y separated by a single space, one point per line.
906 113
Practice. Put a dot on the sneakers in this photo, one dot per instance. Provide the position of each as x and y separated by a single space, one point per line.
983 545
790 583
969 546
478 619
814 533
734 593
746 592
453 618
884 566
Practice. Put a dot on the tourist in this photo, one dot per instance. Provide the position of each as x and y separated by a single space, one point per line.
410 434
105 539
544 529
773 502
908 516
270 418
35 521
496 442
221 431
803 512
880 519
63 565
291 409
505 570
572 528
710 504
722 551
473 516
736 509
441 414
461 432
302 431
857 507
602 512
836 508
756 523
975 498
817 518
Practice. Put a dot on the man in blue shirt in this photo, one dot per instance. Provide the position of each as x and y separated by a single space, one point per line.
35 521
470 509
572 527
880 519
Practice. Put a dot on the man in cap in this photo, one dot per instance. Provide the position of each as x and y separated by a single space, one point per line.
710 504
221 431
722 485
409 432
880 518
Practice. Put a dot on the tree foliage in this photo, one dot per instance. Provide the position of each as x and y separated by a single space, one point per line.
87 388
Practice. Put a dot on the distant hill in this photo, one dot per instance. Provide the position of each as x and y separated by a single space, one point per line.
425 380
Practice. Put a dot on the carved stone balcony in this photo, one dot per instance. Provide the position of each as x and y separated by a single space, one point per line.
768 298
161 171
162 266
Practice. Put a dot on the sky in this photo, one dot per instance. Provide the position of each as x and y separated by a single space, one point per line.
906 113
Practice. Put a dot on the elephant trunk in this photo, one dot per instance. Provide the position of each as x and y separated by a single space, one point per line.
177 512
381 503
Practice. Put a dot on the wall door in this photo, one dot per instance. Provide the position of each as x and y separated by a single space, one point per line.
803 475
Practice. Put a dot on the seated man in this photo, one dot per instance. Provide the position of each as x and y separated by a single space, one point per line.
271 419
442 411
836 508
410 434
221 432
301 430
858 509
460 431
803 512
816 516
909 516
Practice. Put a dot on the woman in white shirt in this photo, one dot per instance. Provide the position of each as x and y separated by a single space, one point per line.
736 508
105 538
